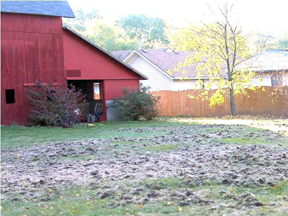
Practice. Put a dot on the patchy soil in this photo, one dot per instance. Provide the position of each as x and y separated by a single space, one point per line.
167 168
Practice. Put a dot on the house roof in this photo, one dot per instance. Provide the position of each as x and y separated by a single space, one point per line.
269 61
164 59
59 8
104 51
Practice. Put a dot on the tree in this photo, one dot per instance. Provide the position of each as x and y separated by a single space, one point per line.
219 49
149 31
130 32
108 37
283 41
264 41
82 19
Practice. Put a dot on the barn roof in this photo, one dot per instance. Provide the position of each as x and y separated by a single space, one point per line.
104 51
59 8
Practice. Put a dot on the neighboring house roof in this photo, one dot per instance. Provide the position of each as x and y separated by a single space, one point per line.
164 59
107 53
59 8
269 61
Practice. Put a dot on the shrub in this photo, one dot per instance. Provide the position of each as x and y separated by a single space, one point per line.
135 105
55 105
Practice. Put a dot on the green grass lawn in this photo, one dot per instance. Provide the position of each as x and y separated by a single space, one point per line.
135 147
19 136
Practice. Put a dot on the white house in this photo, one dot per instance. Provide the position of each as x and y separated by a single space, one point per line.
156 63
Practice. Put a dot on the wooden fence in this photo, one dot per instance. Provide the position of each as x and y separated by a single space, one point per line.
257 102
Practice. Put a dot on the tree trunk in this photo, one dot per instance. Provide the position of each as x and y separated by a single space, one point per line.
232 102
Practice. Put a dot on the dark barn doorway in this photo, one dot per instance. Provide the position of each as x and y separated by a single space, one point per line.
93 90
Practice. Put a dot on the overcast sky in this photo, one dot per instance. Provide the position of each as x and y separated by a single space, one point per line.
266 15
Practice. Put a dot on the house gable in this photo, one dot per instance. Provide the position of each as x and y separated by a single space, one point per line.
133 55
157 79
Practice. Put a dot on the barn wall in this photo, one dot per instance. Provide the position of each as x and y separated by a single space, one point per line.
112 89
30 23
31 49
89 63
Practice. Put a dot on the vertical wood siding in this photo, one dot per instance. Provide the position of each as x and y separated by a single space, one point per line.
93 63
31 49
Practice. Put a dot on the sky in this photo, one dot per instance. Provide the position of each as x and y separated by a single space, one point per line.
264 15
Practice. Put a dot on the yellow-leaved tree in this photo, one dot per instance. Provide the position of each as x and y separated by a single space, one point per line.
219 48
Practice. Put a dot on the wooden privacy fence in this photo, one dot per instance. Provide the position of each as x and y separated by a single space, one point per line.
257 102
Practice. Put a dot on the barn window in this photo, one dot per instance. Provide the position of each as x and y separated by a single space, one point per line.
276 80
97 91
10 96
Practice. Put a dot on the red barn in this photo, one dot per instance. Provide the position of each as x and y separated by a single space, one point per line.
33 47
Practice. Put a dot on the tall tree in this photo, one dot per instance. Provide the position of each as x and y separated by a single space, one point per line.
149 31
107 36
283 40
264 40
81 20
219 48
92 26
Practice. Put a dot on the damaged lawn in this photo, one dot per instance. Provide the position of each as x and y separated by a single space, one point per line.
172 166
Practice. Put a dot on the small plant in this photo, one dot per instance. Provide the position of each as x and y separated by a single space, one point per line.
55 105
136 105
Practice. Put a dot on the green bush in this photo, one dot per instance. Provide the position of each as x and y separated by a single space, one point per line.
55 105
136 105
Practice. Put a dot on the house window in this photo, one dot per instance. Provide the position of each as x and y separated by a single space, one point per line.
276 80
97 91
10 96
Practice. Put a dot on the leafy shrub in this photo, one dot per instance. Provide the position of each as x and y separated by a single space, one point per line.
135 105
55 105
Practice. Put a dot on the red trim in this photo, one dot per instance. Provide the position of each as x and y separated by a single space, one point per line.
33 84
